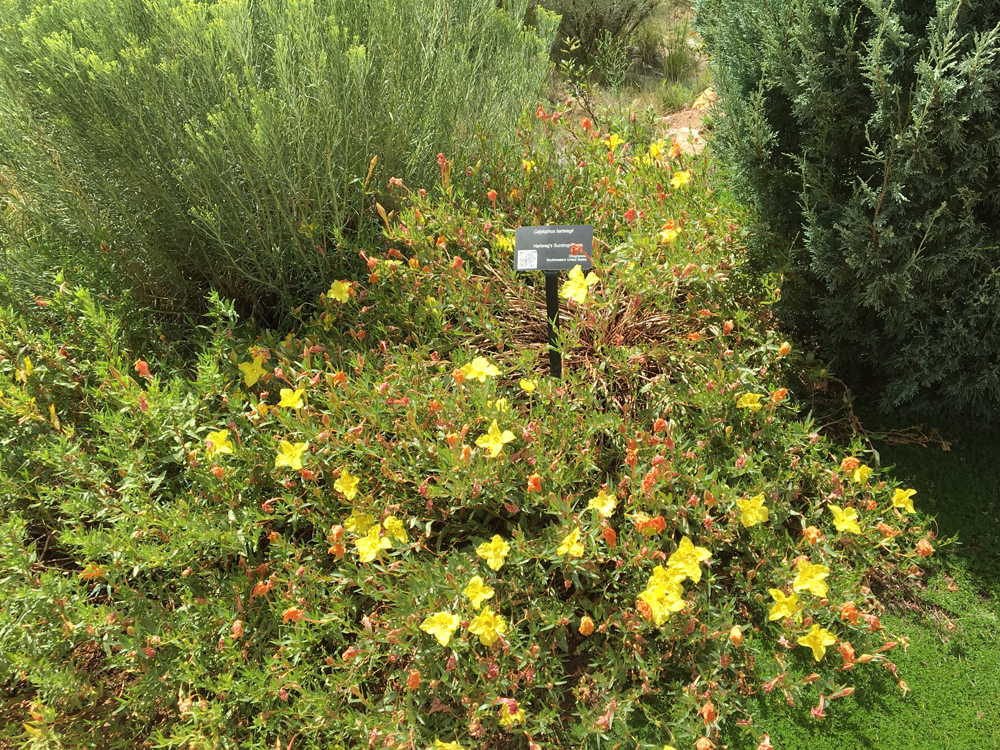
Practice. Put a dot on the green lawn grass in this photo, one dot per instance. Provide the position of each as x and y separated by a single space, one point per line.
952 664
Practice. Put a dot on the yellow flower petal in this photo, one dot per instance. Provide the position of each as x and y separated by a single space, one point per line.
347 484
494 552
251 371
571 544
494 440
442 626
290 455
291 399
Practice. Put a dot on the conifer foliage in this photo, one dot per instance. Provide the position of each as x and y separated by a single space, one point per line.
865 132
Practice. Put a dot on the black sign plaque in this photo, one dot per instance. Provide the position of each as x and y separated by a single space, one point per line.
553 248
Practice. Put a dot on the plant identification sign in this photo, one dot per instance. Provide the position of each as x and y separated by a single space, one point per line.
553 248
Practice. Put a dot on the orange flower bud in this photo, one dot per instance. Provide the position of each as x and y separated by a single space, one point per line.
610 536
886 530
644 609
534 483
924 548
785 349
586 626
458 375
812 534
703 743
237 629
847 651
337 550
708 713
727 328
845 693
294 614
413 680
736 636
850 463
778 395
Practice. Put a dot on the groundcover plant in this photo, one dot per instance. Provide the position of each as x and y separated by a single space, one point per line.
388 527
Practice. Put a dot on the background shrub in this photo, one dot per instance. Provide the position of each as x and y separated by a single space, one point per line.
866 135
231 144
599 22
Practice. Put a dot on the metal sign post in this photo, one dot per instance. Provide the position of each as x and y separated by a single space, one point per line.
552 313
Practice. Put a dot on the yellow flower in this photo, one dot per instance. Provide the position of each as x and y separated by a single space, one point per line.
340 291
686 561
371 544
290 455
394 527
656 150
784 606
501 405
442 626
528 165
218 442
528 386
903 499
818 639
750 401
753 511
359 523
845 520
811 578
669 234
603 504
251 371
478 592
576 286
571 544
507 719
861 474
439 745
613 141
479 369
495 440
503 242
291 399
662 595
347 484
494 552
680 179
488 626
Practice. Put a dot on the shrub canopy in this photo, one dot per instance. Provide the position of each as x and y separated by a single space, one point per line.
865 133
230 144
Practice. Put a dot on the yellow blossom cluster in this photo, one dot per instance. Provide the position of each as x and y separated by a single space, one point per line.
664 590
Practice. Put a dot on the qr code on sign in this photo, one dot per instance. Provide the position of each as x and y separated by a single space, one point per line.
527 259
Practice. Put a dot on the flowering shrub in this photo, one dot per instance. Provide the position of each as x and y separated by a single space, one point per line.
389 527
